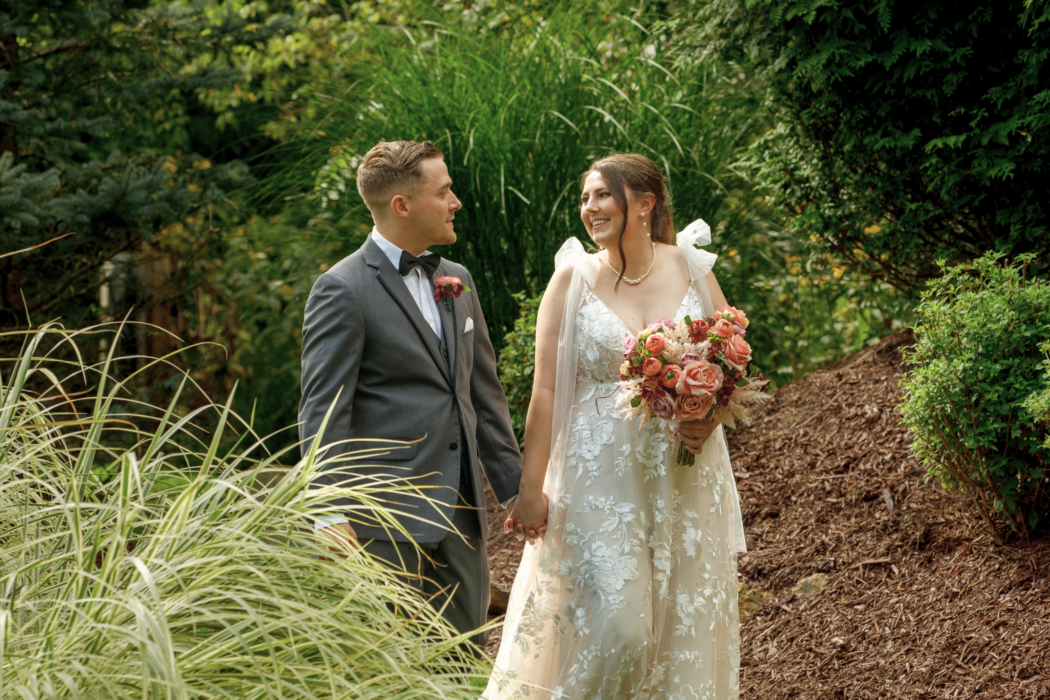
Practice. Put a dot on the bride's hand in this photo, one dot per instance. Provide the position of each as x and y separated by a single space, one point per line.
694 432
528 517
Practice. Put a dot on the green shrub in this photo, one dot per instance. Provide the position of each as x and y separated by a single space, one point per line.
516 362
969 377
1039 402
907 132
169 568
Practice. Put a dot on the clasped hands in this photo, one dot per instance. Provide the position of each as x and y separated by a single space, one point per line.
527 516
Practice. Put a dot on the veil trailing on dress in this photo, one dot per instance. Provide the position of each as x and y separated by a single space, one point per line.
697 264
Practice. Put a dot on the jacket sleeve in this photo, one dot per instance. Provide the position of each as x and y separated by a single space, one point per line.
500 456
333 343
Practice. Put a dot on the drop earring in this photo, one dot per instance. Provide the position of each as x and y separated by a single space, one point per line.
648 234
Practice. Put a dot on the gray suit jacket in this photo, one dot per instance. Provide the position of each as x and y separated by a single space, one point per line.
363 334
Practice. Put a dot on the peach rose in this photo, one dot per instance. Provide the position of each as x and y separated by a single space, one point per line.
692 407
662 405
723 329
651 367
670 375
699 378
656 343
734 315
737 352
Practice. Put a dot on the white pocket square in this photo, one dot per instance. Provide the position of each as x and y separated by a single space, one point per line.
469 325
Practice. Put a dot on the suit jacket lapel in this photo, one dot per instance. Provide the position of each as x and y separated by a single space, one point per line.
449 326
393 283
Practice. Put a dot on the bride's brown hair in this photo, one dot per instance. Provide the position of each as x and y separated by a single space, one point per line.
634 172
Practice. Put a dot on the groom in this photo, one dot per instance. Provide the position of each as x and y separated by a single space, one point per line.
398 365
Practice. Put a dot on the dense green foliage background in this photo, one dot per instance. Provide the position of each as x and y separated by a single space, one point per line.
905 132
198 159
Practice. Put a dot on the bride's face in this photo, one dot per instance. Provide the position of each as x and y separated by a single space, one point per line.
599 211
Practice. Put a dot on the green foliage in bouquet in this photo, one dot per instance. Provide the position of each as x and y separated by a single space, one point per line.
142 560
907 132
968 387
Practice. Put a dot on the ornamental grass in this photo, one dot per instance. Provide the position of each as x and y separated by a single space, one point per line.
139 558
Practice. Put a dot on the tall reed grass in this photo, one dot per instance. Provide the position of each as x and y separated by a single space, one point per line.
137 560
520 116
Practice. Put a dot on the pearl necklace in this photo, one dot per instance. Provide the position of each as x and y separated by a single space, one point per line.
630 281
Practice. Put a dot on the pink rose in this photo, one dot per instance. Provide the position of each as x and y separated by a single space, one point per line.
651 367
662 405
656 343
723 329
629 344
670 375
699 378
692 407
660 325
689 358
453 284
735 316
737 352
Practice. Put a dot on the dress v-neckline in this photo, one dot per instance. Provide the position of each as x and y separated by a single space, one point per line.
624 323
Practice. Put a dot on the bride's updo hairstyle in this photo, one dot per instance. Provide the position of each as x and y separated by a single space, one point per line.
625 172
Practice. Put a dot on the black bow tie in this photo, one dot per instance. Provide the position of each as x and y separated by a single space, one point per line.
428 262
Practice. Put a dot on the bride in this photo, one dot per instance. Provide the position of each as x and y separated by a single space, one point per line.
627 587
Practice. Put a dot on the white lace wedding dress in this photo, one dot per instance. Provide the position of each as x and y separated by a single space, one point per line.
633 593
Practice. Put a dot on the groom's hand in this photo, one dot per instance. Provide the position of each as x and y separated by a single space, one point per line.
693 433
338 537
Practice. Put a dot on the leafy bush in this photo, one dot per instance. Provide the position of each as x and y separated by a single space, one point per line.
516 362
970 374
140 560
906 132
1039 402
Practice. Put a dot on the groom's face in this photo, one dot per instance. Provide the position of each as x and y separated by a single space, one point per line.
434 209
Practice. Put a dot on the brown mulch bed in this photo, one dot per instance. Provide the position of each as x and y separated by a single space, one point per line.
919 601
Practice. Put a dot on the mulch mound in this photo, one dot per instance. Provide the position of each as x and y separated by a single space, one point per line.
918 602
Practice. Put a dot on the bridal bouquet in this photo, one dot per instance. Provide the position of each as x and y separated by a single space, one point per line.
691 370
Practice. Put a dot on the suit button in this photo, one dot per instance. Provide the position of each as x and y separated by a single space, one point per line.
453 446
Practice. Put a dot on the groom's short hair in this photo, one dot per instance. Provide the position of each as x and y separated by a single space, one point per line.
392 167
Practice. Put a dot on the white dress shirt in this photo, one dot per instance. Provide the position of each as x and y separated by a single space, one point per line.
419 287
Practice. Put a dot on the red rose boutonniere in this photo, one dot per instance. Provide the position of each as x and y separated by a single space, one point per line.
447 288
